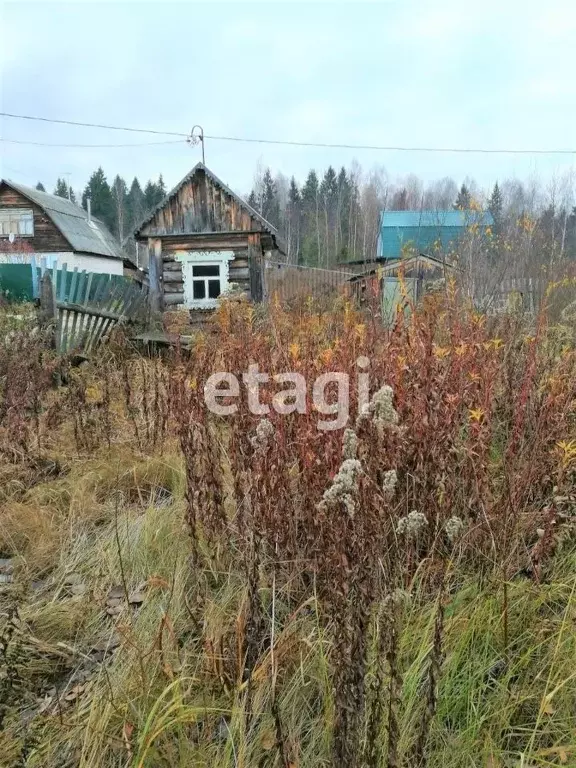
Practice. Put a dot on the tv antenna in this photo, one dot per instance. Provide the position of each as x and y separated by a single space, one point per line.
197 138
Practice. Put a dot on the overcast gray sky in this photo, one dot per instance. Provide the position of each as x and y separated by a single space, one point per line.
443 73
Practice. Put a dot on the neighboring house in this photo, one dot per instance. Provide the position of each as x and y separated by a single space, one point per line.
429 232
36 224
202 241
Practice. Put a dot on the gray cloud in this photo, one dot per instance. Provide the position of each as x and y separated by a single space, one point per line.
396 73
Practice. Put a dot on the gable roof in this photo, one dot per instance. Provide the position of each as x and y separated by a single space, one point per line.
87 235
435 218
219 183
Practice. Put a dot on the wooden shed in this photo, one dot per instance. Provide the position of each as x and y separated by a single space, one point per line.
387 283
203 241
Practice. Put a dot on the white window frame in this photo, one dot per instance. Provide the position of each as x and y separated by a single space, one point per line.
19 217
190 259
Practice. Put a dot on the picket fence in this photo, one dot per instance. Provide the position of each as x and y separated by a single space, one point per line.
84 306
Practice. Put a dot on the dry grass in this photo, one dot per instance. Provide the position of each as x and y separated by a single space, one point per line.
128 642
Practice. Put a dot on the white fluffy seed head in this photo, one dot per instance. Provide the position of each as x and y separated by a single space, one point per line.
264 432
380 409
412 524
389 484
349 444
454 528
344 487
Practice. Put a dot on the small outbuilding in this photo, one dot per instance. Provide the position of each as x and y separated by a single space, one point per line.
203 241
385 284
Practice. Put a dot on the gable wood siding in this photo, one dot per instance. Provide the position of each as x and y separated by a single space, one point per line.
47 237
200 206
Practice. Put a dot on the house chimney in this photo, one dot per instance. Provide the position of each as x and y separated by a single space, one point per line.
89 208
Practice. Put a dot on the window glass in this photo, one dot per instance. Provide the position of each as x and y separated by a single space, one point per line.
199 289
206 270
213 289
16 221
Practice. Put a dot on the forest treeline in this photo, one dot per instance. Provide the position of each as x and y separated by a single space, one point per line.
121 207
333 216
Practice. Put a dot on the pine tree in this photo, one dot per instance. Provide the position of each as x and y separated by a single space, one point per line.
40 187
135 206
61 189
310 217
343 214
329 198
463 200
496 204
102 204
253 201
270 205
310 189
154 193
294 220
120 204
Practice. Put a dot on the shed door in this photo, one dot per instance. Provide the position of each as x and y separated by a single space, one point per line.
393 298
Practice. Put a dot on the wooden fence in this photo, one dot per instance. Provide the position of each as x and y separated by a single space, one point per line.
291 281
525 293
84 307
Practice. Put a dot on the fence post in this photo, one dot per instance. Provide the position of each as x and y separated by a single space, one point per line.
155 298
48 314
35 281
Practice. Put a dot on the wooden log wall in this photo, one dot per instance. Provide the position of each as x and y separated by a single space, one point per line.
240 270
47 237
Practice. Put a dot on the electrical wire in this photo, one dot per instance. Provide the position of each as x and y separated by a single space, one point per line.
91 146
282 142
93 125
396 148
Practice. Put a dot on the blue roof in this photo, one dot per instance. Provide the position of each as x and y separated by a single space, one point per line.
427 231
431 218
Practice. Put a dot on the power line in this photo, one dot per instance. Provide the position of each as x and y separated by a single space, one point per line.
468 150
16 171
282 142
93 125
90 146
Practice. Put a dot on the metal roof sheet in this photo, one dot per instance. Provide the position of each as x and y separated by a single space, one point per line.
83 234
435 218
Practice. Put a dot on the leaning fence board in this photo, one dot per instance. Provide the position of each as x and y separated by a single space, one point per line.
88 306
79 290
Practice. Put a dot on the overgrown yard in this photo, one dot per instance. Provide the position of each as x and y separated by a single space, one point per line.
180 588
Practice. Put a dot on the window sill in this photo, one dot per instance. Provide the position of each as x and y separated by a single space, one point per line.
203 304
